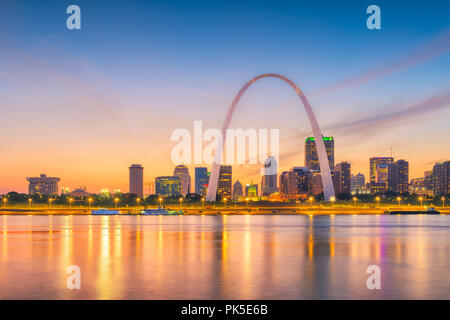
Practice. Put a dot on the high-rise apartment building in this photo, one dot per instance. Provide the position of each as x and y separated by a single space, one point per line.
288 185
311 157
343 181
43 185
441 178
398 176
136 186
301 174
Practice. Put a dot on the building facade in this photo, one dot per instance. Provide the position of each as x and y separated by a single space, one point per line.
269 179
358 183
378 188
301 175
344 179
167 186
43 185
379 169
428 179
251 190
136 186
288 185
398 176
311 157
238 192
182 172
417 186
224 183
441 178
79 193
201 180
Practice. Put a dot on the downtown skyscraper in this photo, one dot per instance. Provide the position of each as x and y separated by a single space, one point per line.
343 178
269 179
182 172
136 186
398 176
201 180
441 178
311 156
224 183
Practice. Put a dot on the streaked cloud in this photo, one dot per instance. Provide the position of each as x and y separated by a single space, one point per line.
436 47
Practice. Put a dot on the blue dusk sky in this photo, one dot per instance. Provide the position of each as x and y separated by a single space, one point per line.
84 104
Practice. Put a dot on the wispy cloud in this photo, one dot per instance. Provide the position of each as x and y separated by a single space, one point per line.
437 46
391 115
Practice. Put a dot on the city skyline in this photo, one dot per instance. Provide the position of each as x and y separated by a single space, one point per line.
298 183
376 92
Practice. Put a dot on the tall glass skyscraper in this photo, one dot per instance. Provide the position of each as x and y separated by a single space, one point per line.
311 157
201 180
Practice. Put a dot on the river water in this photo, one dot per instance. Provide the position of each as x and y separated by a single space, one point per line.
225 257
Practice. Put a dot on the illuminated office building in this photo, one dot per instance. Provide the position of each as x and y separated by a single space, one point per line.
311 157
43 185
168 186
288 185
251 190
224 183
201 180
441 178
398 176
358 183
379 169
344 178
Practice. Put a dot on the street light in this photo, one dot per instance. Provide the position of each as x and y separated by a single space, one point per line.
354 201
29 202
4 202
181 200
378 201
116 200
70 202
332 199
203 201
399 199
50 202
160 202
443 202
90 201
138 201
225 201
311 199
421 201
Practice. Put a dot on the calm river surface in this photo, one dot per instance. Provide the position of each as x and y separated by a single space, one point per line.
225 257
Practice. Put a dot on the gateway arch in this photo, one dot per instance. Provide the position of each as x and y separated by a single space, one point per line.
327 182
